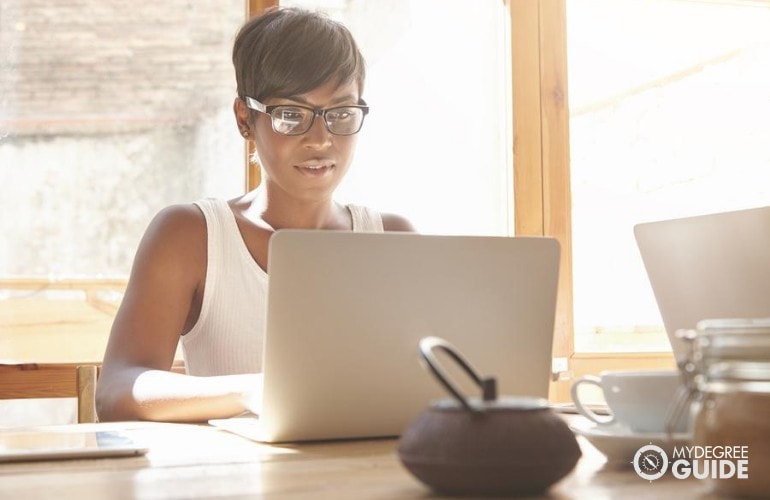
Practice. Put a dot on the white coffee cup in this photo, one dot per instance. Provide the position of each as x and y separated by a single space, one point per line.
638 400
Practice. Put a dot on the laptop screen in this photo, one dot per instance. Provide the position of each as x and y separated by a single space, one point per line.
708 267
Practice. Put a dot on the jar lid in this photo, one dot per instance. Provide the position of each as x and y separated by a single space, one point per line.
728 354
732 339
709 326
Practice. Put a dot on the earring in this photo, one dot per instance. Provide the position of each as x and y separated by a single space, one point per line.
245 133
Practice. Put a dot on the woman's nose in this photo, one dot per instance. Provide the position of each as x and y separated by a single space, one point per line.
318 137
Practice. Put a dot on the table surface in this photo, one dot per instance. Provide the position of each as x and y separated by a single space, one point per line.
199 461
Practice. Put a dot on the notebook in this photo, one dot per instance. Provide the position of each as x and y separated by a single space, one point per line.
708 267
345 313
19 445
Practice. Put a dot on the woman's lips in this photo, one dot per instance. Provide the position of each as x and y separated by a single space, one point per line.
315 169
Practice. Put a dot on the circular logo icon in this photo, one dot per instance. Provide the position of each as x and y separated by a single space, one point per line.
650 462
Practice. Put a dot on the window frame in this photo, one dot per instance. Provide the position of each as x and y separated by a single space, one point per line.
542 197
253 174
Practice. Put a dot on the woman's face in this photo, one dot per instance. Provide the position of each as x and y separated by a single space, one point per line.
308 167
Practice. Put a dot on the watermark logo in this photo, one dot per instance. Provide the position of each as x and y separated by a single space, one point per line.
651 462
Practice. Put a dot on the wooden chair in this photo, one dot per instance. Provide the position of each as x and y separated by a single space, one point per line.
52 380
56 380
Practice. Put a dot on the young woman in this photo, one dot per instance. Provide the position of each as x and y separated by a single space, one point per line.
199 272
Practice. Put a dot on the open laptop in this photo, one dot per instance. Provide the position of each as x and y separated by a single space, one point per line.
346 312
708 267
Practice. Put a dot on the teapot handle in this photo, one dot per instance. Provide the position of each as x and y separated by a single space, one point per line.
488 385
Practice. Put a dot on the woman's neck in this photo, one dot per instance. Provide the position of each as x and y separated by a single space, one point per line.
283 212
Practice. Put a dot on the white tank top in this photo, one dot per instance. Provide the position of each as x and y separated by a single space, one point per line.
228 336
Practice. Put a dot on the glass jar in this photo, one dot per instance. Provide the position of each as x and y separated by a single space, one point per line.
728 373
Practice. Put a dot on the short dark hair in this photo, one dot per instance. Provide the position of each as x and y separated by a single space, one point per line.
290 51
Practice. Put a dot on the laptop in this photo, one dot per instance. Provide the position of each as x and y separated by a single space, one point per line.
714 266
346 311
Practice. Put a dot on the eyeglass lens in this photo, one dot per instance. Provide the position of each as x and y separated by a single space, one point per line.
292 120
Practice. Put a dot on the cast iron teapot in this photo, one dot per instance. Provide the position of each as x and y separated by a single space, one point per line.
488 446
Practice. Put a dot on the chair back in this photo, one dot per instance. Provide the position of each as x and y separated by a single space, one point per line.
52 380
57 380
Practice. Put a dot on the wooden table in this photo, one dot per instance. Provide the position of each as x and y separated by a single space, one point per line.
198 461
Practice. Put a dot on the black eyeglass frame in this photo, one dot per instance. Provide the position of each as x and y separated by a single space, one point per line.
255 105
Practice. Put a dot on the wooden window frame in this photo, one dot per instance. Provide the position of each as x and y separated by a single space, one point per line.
253 173
541 172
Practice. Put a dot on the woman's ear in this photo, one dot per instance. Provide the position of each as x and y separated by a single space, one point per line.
242 116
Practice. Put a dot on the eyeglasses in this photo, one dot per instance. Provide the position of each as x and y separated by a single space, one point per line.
291 119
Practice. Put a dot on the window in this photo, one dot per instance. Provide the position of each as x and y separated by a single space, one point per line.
669 105
109 111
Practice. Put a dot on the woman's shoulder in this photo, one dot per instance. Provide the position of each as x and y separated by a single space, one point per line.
177 227
370 219
180 219
172 250
395 222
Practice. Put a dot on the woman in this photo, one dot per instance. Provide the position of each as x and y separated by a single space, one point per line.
199 272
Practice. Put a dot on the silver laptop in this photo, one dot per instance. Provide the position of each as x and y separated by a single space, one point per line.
708 267
346 312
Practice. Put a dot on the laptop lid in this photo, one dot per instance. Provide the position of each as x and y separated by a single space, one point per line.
346 312
708 267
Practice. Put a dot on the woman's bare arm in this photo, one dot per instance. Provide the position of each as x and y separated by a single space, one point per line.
166 280
148 394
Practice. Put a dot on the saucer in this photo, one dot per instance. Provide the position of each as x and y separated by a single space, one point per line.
619 444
